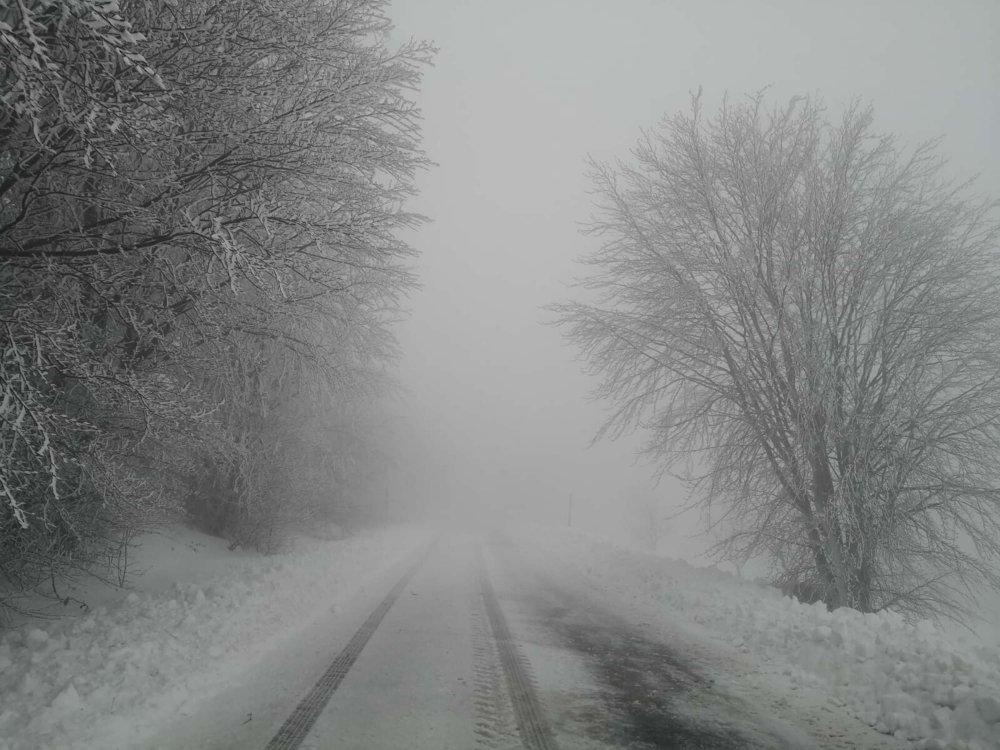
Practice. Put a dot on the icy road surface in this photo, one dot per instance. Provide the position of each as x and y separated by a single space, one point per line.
490 643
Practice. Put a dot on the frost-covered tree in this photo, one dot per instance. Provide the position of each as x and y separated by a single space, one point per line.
198 213
804 317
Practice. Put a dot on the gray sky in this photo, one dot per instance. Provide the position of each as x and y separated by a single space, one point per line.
520 94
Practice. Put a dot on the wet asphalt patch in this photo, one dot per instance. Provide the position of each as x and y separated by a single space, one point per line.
647 695
642 684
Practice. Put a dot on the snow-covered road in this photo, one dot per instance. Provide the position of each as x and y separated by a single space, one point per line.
614 674
536 638
489 643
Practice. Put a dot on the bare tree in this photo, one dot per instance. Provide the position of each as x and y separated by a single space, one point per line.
198 213
805 319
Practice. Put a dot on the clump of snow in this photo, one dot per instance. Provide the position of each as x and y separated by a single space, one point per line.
77 682
926 683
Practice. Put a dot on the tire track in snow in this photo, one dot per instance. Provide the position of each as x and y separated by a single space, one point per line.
494 716
531 723
297 725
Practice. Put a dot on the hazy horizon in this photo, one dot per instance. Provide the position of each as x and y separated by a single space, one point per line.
520 94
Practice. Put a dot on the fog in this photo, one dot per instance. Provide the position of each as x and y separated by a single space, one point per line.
497 418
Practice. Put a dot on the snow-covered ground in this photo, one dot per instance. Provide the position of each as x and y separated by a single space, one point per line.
934 686
107 676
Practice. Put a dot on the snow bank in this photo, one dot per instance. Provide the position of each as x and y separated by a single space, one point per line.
105 676
936 687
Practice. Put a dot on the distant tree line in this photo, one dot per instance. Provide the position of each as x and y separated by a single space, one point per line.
804 317
199 206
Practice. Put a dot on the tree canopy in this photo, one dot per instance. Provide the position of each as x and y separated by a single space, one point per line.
199 207
803 317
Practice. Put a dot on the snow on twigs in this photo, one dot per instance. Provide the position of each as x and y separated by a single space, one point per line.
102 679
930 684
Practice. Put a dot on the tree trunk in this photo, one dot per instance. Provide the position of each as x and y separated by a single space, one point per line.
825 526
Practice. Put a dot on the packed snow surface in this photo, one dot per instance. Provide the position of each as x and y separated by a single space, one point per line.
105 677
936 687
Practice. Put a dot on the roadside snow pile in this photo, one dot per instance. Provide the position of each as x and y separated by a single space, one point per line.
69 682
939 689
